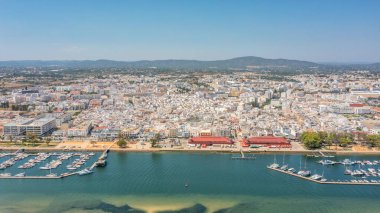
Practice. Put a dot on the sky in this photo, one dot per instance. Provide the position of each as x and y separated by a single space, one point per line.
346 31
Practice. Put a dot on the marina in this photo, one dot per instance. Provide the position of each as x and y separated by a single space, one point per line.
75 163
32 163
346 182
182 177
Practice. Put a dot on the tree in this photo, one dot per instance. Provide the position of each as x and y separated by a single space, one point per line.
47 141
345 139
311 140
121 143
32 138
155 139
23 141
323 135
373 140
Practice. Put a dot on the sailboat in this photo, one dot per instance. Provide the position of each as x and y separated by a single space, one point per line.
284 167
51 174
274 165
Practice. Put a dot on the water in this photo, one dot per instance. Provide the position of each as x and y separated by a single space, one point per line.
155 182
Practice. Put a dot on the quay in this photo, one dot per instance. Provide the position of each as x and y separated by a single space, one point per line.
39 177
324 182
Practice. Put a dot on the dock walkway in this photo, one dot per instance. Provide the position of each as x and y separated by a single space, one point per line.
323 182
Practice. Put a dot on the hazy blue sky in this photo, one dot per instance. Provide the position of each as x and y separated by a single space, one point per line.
316 30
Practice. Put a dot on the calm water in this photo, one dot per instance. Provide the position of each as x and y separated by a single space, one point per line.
154 182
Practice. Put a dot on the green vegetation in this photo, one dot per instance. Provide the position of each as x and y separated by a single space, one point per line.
311 140
122 143
373 140
155 140
316 140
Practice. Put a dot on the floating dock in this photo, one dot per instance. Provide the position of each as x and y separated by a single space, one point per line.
324 182
38 177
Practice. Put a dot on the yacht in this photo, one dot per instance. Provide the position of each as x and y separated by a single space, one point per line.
316 177
357 173
22 174
51 175
306 173
327 162
274 166
5 174
347 162
347 172
85 171
46 167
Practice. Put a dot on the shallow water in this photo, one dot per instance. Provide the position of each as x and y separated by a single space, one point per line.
155 182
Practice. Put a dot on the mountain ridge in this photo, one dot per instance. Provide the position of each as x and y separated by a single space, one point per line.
243 63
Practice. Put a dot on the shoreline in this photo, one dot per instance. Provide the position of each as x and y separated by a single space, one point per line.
157 150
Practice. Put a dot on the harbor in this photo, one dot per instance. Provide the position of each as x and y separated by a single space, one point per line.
308 178
21 165
128 177
75 163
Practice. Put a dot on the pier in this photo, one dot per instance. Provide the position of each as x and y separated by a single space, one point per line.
324 182
243 157
102 160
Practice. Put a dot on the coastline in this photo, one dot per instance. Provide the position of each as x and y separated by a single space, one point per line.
162 150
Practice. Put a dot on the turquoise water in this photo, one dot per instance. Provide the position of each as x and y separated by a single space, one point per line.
155 182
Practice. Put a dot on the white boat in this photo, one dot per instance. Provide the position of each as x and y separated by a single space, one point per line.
347 162
327 162
357 173
51 175
347 172
22 174
316 177
306 173
5 174
85 172
46 167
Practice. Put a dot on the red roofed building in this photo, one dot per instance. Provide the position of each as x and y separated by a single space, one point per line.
356 105
267 141
210 140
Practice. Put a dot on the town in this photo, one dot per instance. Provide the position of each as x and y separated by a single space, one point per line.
228 111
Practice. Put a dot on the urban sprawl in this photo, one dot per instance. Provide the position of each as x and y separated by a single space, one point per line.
195 110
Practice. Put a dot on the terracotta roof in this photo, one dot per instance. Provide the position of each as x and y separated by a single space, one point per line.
356 105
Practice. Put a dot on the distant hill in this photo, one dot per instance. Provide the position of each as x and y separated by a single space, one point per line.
240 63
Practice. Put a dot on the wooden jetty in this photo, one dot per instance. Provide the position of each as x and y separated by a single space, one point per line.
243 157
324 182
